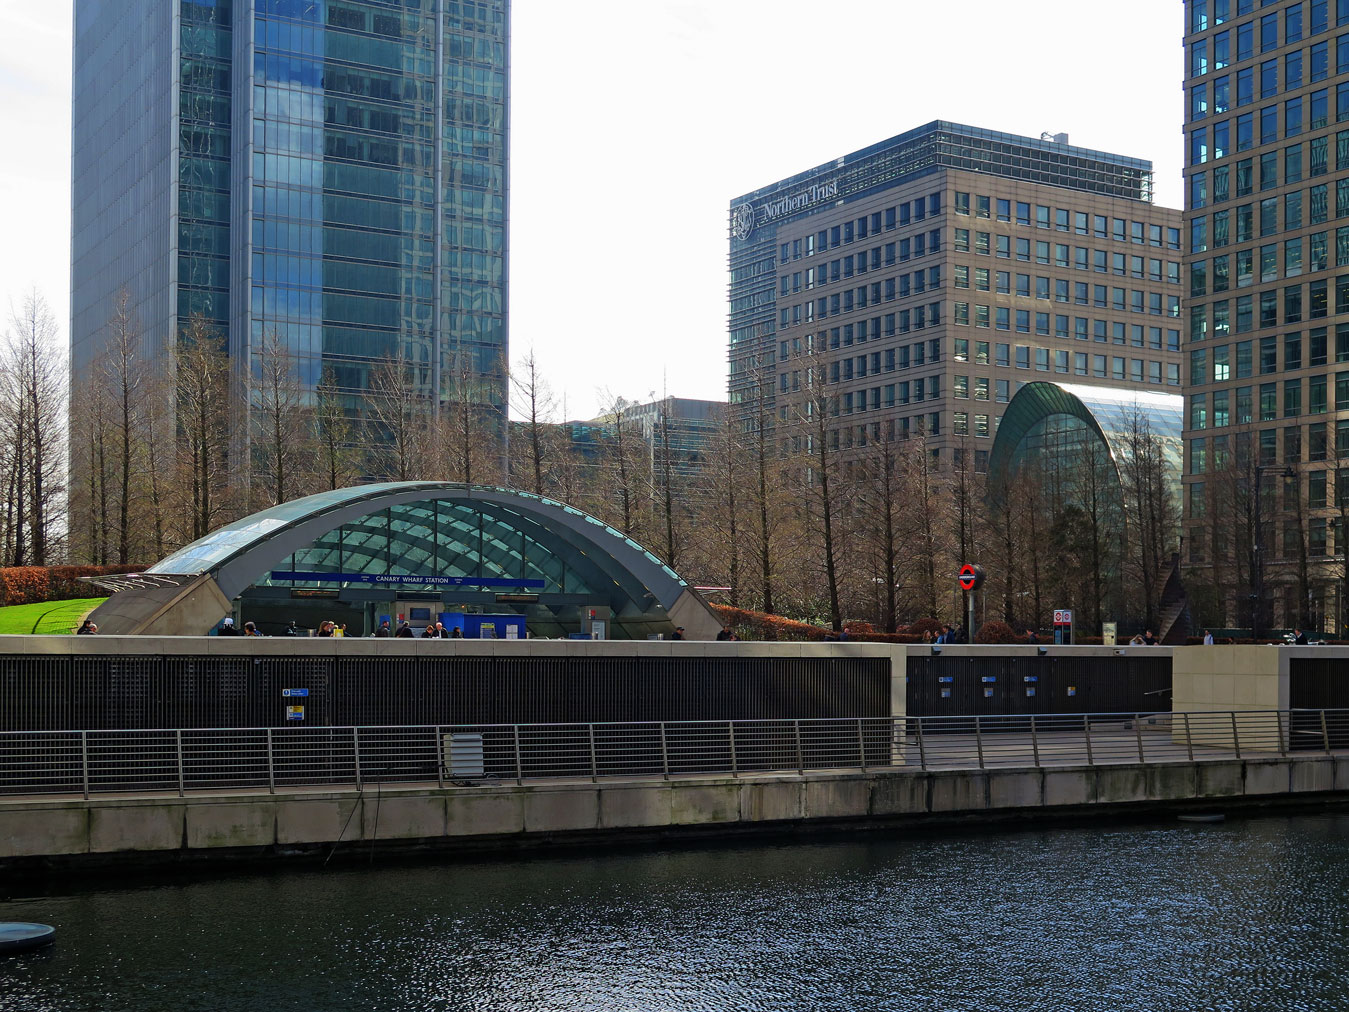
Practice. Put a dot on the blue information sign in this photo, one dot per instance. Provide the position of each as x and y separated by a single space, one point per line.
294 692
419 581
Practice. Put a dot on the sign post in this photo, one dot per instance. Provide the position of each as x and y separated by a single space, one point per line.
970 578
1063 625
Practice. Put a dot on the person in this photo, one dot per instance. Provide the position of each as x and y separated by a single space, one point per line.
383 632
404 632
431 632
325 628
1031 636
291 630
456 633
227 628
927 635
1137 641
339 630
1299 638
725 634
251 630
678 633
1208 638
1149 639
86 628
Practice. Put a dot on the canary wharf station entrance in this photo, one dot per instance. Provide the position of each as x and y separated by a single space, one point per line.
490 562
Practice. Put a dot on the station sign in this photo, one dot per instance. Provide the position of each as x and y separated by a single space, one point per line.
294 692
1063 616
970 577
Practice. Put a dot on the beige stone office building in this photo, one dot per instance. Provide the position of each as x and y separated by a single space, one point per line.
928 277
1267 276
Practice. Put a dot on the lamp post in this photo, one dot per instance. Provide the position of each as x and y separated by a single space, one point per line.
1257 550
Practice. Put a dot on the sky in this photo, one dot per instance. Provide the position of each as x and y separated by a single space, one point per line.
635 123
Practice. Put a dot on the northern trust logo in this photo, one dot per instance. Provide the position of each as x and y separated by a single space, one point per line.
745 216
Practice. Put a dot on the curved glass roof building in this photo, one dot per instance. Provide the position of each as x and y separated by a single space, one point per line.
358 555
1059 422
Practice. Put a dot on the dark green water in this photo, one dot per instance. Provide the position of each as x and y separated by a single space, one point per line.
1249 914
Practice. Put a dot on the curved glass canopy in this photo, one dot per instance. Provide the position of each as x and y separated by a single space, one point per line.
430 535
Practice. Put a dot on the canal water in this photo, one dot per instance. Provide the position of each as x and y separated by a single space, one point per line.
1247 914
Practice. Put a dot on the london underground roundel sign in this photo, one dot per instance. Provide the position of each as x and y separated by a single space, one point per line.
970 577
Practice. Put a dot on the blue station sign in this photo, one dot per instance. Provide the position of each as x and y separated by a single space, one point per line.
387 579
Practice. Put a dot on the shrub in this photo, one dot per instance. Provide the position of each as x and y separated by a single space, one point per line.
34 584
923 625
757 625
996 632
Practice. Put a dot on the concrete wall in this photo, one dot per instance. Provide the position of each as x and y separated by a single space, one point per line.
149 830
1241 679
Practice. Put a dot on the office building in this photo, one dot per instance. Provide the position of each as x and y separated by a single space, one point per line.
1267 266
921 281
331 173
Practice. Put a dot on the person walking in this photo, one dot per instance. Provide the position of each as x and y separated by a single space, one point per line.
291 630
404 632
86 628
384 632
250 629
1299 638
1208 638
227 628
725 635
678 633
1149 639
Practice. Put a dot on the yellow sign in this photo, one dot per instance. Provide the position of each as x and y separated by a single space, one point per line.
295 713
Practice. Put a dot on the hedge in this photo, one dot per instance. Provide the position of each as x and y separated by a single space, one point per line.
35 584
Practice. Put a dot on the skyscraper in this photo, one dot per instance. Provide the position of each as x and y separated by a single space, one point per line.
921 281
330 175
1267 400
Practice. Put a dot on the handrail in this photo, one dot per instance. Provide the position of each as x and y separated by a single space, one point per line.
183 761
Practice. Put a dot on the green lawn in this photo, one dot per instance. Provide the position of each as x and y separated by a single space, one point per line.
52 618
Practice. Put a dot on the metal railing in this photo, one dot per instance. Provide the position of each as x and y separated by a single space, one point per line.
84 763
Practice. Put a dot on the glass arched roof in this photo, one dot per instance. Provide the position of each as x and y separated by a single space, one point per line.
1112 413
397 531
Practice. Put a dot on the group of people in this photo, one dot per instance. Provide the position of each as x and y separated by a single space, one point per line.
227 628
1147 639
406 632
947 635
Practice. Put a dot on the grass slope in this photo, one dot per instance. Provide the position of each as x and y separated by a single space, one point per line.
48 617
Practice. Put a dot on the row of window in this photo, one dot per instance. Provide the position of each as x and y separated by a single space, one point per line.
886 360
1242 227
1317 150
846 267
860 228
1078 293
1064 220
1060 254
1251 312
963 274
1205 14
1079 327
870 295
1233 45
1244 405
1239 361
1266 446
1263 81
1304 112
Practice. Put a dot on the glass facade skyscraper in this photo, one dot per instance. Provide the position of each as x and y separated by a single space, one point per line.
328 173
1267 270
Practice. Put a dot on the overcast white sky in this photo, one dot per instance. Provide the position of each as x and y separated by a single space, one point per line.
636 121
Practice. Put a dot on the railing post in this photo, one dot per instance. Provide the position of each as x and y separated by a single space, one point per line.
1189 742
519 762
178 747
356 750
664 753
594 763
735 766
1325 734
800 757
271 766
979 742
1086 733
1283 740
1138 735
922 749
1236 738
440 756
861 745
84 759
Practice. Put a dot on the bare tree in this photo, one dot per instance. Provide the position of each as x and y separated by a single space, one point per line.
38 428
122 375
399 410
533 401
333 434
202 374
278 419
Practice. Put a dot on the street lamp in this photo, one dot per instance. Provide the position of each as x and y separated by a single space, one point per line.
1257 550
